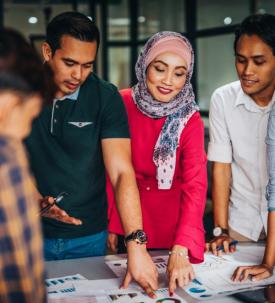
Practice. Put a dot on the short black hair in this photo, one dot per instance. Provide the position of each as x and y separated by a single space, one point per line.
73 24
21 67
262 25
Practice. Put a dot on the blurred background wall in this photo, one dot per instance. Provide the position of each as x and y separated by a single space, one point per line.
125 26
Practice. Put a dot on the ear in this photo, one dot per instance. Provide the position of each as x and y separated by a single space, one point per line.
46 51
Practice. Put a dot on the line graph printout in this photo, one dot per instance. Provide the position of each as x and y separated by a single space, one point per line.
211 263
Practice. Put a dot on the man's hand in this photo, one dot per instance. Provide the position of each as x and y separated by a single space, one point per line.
220 245
179 270
112 242
54 212
141 268
256 273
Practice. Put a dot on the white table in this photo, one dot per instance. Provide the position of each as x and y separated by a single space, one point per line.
95 268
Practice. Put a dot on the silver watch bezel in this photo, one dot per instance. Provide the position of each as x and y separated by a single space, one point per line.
217 231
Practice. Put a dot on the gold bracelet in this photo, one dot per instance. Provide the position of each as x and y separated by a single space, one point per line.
178 253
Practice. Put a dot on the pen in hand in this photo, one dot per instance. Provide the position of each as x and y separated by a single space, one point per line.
57 199
232 243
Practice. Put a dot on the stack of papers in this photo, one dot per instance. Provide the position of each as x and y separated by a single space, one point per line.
213 278
107 291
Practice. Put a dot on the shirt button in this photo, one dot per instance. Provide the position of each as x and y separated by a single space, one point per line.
148 188
54 120
57 106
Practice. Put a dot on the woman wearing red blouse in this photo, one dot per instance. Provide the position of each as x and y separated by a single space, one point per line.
167 138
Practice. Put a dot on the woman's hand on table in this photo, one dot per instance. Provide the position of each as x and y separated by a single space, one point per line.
112 242
179 270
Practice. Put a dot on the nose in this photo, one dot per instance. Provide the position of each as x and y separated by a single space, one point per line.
168 79
249 69
77 73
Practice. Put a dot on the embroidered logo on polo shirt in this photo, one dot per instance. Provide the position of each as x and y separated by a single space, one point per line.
80 124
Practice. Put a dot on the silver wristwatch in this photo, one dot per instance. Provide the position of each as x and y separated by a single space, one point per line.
219 231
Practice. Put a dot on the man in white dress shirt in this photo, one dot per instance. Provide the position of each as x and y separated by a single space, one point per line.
238 118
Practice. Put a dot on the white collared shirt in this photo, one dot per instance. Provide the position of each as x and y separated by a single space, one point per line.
238 128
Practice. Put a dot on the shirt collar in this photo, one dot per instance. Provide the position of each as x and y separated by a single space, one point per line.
249 103
72 96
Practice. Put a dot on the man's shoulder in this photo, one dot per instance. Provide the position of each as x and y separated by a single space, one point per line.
106 88
232 88
227 94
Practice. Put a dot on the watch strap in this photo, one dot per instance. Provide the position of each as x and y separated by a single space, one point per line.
138 236
223 231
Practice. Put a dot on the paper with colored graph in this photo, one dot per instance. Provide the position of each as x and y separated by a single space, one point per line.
62 285
107 291
119 266
213 276
133 294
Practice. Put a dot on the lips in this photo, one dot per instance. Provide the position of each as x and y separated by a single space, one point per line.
72 86
163 90
248 82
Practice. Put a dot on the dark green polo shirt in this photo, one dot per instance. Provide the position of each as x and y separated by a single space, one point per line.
66 154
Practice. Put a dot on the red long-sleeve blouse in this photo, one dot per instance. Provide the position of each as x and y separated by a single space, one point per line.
173 216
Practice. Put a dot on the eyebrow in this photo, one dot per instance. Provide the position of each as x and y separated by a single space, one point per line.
160 61
254 57
76 62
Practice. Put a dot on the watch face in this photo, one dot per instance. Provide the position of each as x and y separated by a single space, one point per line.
217 231
141 236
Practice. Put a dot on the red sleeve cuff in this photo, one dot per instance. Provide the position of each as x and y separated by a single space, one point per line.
193 239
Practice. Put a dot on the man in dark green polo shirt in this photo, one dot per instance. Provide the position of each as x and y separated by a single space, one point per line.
73 141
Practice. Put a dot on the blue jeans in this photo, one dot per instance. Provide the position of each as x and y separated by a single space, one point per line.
88 246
